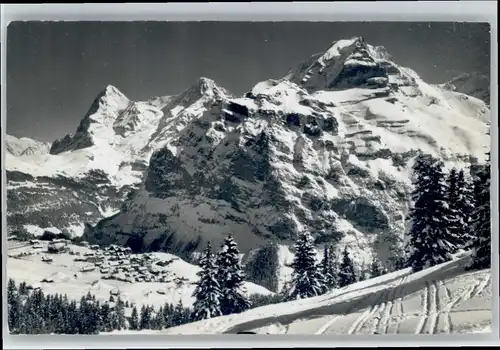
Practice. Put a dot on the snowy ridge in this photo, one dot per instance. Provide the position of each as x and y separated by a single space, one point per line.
109 151
473 84
442 299
25 146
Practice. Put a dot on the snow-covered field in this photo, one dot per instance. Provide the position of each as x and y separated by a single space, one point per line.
442 299
68 278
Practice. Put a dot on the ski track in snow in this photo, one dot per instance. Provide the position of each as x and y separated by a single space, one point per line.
440 300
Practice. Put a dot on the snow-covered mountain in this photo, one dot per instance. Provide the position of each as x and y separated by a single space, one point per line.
25 146
327 148
473 84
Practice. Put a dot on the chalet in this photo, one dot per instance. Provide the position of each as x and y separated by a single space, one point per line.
47 259
56 247
88 268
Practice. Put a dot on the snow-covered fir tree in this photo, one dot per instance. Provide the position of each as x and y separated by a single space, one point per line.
307 280
431 239
207 292
376 268
231 277
452 195
347 273
134 319
481 219
329 267
465 206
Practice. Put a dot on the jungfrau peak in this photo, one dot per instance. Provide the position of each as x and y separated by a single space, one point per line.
327 149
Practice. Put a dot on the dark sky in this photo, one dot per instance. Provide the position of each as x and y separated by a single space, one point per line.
55 69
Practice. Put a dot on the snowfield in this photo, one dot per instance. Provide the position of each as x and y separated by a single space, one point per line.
442 299
64 275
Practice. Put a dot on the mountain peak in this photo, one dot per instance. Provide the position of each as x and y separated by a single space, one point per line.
346 63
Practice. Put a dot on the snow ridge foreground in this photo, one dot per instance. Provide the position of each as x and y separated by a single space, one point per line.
439 300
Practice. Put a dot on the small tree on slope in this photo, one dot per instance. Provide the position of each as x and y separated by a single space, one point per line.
207 291
347 274
307 280
330 268
376 268
481 220
459 198
465 206
430 235
230 277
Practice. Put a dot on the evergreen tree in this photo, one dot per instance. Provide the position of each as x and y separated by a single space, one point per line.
307 280
347 274
465 206
430 235
329 267
376 269
134 319
481 219
120 314
230 277
452 196
207 292
145 322
178 314
13 305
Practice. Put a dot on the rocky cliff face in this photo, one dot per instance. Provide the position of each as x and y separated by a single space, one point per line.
328 149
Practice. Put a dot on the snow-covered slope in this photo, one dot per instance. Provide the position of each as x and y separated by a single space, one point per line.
88 174
442 299
25 146
328 148
64 275
472 84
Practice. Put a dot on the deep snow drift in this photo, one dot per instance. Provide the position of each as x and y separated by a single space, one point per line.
442 299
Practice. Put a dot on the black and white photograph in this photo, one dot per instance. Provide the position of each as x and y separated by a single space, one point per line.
210 177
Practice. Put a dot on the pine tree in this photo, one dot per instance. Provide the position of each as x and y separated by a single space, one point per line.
207 292
307 280
481 219
329 267
347 274
376 268
431 239
178 314
134 319
230 277
145 321
465 206
13 305
452 197
120 314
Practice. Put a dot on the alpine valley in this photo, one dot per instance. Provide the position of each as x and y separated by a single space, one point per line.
328 149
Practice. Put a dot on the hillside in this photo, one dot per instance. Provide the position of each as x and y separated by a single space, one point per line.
443 299
153 279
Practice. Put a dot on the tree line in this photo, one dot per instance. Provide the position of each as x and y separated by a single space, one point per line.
31 311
